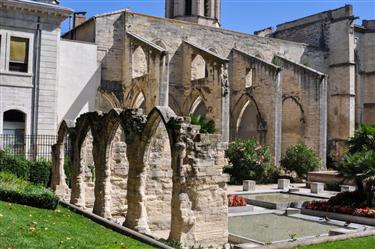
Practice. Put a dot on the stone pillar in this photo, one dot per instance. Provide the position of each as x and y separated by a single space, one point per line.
58 183
78 183
341 104
133 123
278 116
323 122
164 80
225 103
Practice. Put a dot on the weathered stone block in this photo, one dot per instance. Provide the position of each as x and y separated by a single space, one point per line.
317 187
248 185
283 184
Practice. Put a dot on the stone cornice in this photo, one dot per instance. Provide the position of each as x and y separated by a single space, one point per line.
37 8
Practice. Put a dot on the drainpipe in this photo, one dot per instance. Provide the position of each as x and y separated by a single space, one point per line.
36 76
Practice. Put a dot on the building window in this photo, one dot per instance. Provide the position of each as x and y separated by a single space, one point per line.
19 54
188 7
206 8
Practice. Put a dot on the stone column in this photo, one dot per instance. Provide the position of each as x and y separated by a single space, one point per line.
323 122
278 116
58 183
164 80
78 183
225 103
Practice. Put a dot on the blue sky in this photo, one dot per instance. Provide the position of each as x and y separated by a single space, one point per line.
240 15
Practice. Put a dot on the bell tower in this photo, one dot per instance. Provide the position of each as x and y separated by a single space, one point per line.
205 12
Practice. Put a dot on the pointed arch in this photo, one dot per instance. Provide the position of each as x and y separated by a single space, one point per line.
293 123
140 101
199 107
139 63
247 120
198 68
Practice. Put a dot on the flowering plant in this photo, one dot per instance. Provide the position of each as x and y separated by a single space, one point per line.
249 161
236 201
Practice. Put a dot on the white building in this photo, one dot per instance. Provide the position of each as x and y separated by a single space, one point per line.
40 83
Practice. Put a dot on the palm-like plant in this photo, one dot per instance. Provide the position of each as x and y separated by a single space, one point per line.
207 125
363 139
361 167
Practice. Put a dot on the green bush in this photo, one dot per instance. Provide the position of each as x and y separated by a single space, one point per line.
207 125
16 190
17 165
300 159
363 139
250 161
38 172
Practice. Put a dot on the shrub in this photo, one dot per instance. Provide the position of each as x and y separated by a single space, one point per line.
363 139
300 159
16 190
38 172
207 125
249 161
17 165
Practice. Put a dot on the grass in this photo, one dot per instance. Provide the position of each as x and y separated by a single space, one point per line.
28 227
359 243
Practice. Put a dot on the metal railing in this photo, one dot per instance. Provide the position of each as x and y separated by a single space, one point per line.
33 147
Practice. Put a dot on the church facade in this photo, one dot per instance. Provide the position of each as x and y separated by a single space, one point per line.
310 81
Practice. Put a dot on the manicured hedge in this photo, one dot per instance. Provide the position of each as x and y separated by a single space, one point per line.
38 172
16 190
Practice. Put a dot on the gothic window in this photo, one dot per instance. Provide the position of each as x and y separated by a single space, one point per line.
249 79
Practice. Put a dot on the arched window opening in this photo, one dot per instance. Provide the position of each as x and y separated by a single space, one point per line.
159 183
249 79
88 165
119 166
198 68
247 123
188 7
140 101
199 108
139 63
293 124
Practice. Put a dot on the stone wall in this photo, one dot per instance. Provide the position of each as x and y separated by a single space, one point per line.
159 173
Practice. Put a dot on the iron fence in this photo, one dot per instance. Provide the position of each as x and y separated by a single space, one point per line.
33 147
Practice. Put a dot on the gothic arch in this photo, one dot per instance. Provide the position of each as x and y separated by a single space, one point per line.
140 101
139 63
198 67
293 122
247 120
199 107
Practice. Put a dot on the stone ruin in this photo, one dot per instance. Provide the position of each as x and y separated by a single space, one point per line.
157 174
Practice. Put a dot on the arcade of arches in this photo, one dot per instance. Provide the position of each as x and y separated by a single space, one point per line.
156 174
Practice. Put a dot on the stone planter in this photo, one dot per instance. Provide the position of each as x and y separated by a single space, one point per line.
338 216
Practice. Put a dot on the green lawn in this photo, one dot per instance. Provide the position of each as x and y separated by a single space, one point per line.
360 243
27 227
